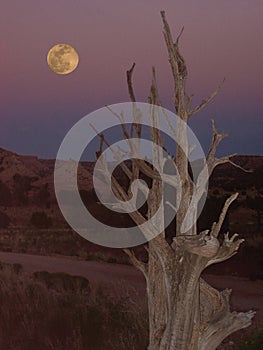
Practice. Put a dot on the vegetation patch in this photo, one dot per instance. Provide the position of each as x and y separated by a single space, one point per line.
51 311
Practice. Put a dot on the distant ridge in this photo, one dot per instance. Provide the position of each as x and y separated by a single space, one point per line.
27 184
34 164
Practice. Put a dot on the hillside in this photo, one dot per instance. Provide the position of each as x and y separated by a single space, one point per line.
30 220
28 182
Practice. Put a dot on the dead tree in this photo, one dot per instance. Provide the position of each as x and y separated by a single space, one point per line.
184 311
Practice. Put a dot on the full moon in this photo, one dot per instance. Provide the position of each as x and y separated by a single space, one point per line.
62 59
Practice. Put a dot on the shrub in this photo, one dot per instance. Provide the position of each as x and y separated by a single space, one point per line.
6 197
61 280
43 196
216 192
254 342
17 268
35 316
4 220
40 219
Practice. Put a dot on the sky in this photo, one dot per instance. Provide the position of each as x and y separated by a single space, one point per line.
221 39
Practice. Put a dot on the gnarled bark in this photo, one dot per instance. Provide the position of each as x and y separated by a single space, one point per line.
185 313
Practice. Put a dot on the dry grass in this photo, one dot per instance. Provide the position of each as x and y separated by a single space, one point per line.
56 311
51 313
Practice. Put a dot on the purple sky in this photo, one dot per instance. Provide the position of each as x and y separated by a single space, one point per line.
221 39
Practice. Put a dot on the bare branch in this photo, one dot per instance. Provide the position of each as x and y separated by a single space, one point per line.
226 159
179 36
216 139
217 320
222 160
137 263
170 47
171 206
129 82
99 152
120 118
157 142
118 189
178 68
188 102
217 226
135 126
116 155
228 248
171 180
139 164
211 160
153 96
240 167
101 136
168 121
179 73
180 59
226 325
207 100
134 173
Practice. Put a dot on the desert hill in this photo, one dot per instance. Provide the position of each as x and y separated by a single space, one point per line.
30 220
27 183
29 174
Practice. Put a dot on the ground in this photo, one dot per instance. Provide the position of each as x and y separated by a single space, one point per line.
246 294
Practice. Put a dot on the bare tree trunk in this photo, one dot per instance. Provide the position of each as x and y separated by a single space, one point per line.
173 300
185 313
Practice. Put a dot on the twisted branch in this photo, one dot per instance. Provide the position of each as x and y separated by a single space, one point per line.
206 100
129 83
217 225
137 263
217 322
228 248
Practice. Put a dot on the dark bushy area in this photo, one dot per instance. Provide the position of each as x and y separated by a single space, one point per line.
40 219
48 311
254 342
4 220
58 311
22 185
6 196
61 280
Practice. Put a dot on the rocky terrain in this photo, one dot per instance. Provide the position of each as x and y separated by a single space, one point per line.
30 220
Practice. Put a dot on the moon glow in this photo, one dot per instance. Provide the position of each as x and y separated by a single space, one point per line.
62 59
